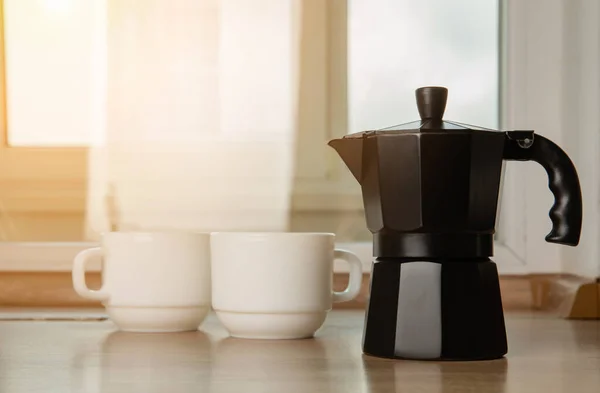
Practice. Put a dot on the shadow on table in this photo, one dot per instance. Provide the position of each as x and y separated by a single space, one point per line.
385 375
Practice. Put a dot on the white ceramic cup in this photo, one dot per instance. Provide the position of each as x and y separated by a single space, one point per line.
151 282
277 285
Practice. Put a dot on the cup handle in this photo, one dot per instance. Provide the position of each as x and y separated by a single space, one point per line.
355 279
78 275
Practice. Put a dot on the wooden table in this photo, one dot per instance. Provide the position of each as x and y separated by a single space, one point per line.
545 355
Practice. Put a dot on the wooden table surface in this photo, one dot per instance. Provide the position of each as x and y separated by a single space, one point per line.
546 354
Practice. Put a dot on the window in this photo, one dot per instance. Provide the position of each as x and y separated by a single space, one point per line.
215 115
54 62
396 46
44 116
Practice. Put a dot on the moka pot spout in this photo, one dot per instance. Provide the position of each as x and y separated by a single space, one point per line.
351 152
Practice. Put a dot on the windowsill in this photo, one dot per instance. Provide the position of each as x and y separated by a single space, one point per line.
58 257
42 256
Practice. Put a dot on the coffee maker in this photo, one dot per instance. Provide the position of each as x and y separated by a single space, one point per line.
430 193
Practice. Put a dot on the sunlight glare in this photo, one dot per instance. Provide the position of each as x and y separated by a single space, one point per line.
60 6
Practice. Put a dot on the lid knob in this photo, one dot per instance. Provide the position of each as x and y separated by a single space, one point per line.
431 101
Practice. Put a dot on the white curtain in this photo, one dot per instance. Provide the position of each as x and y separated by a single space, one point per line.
200 122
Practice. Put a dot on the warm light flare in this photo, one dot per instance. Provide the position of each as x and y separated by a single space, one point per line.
58 5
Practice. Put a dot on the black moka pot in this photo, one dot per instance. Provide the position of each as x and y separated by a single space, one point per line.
430 192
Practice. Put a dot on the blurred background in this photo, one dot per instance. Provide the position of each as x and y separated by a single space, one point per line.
214 115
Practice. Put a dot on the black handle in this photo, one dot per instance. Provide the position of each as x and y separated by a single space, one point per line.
567 211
